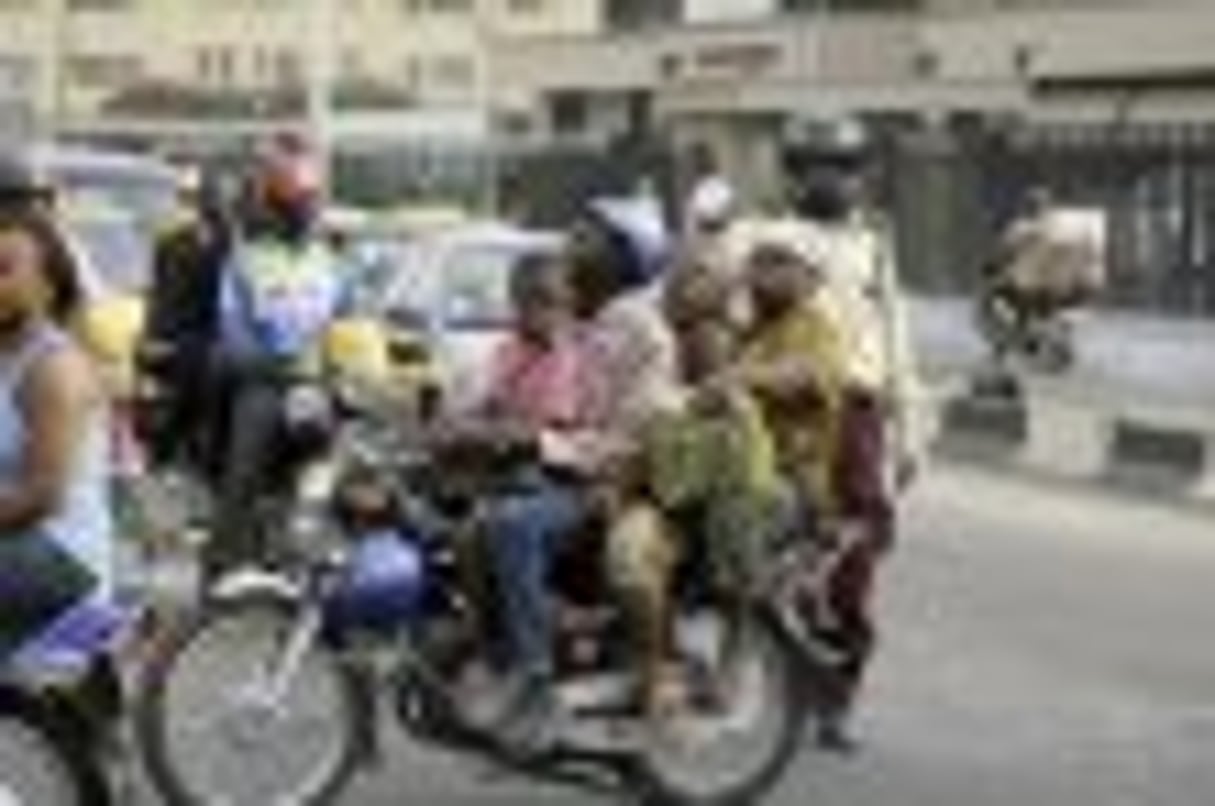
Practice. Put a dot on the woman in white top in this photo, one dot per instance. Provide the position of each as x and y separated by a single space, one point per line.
55 530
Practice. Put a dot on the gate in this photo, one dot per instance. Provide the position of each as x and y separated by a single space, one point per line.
952 192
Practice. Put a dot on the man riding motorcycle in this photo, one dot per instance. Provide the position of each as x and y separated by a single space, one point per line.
879 447
257 300
583 403
1050 262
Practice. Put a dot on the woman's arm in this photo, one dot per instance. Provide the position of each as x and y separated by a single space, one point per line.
790 378
55 403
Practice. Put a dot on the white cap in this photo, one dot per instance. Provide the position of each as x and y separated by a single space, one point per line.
798 238
712 201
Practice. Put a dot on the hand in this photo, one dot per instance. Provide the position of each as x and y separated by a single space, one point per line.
717 395
906 472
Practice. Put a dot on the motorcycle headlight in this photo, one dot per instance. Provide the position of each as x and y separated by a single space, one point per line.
308 404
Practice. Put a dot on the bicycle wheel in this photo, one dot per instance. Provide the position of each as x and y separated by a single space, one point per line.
42 764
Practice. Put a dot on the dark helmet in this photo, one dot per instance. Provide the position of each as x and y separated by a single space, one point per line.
840 142
20 180
823 162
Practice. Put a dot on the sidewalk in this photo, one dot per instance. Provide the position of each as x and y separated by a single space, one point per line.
1137 411
1125 360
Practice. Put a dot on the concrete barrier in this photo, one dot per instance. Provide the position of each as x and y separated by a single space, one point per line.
1062 432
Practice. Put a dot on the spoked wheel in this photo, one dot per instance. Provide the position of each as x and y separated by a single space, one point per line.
42 764
244 707
743 720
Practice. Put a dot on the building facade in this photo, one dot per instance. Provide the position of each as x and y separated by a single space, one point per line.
105 62
973 101
733 72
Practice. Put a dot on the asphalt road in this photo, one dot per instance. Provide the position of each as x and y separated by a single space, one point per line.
1042 647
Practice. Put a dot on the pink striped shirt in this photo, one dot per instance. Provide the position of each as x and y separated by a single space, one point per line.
543 387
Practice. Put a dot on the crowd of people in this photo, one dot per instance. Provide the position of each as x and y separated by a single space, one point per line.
704 390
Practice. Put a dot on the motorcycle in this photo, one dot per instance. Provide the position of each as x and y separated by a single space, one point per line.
269 693
1039 333
59 696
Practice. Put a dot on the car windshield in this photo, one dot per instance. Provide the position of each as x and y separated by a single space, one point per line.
150 199
467 287
117 251
476 283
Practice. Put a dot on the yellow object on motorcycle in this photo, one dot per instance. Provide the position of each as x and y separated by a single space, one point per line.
110 328
358 348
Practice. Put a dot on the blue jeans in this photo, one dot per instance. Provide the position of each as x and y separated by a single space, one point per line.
525 530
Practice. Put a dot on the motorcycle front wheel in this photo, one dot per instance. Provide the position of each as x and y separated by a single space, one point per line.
219 722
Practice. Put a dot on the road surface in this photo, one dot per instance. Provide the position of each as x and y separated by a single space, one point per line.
1043 647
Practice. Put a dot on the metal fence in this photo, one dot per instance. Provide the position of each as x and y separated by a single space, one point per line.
951 193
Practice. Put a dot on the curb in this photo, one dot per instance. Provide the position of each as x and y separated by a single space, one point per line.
1064 436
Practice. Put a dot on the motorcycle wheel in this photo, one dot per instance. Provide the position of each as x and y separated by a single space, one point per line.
736 754
43 761
309 740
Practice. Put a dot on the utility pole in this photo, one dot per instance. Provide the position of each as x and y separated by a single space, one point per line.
54 88
486 22
321 56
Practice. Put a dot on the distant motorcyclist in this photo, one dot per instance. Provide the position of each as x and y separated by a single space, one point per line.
1051 260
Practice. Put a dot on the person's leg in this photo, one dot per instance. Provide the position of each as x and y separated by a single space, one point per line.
851 594
39 582
641 559
522 530
254 421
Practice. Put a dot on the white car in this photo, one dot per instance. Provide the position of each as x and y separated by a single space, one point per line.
453 289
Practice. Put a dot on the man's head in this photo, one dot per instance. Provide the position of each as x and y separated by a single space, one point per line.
711 207
1038 199
541 296
825 163
784 268
22 185
696 304
617 245
286 186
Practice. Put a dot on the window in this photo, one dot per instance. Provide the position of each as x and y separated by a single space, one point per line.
351 63
215 64
413 73
437 6
16 72
569 112
453 72
631 14
853 5
100 5
102 69
288 71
